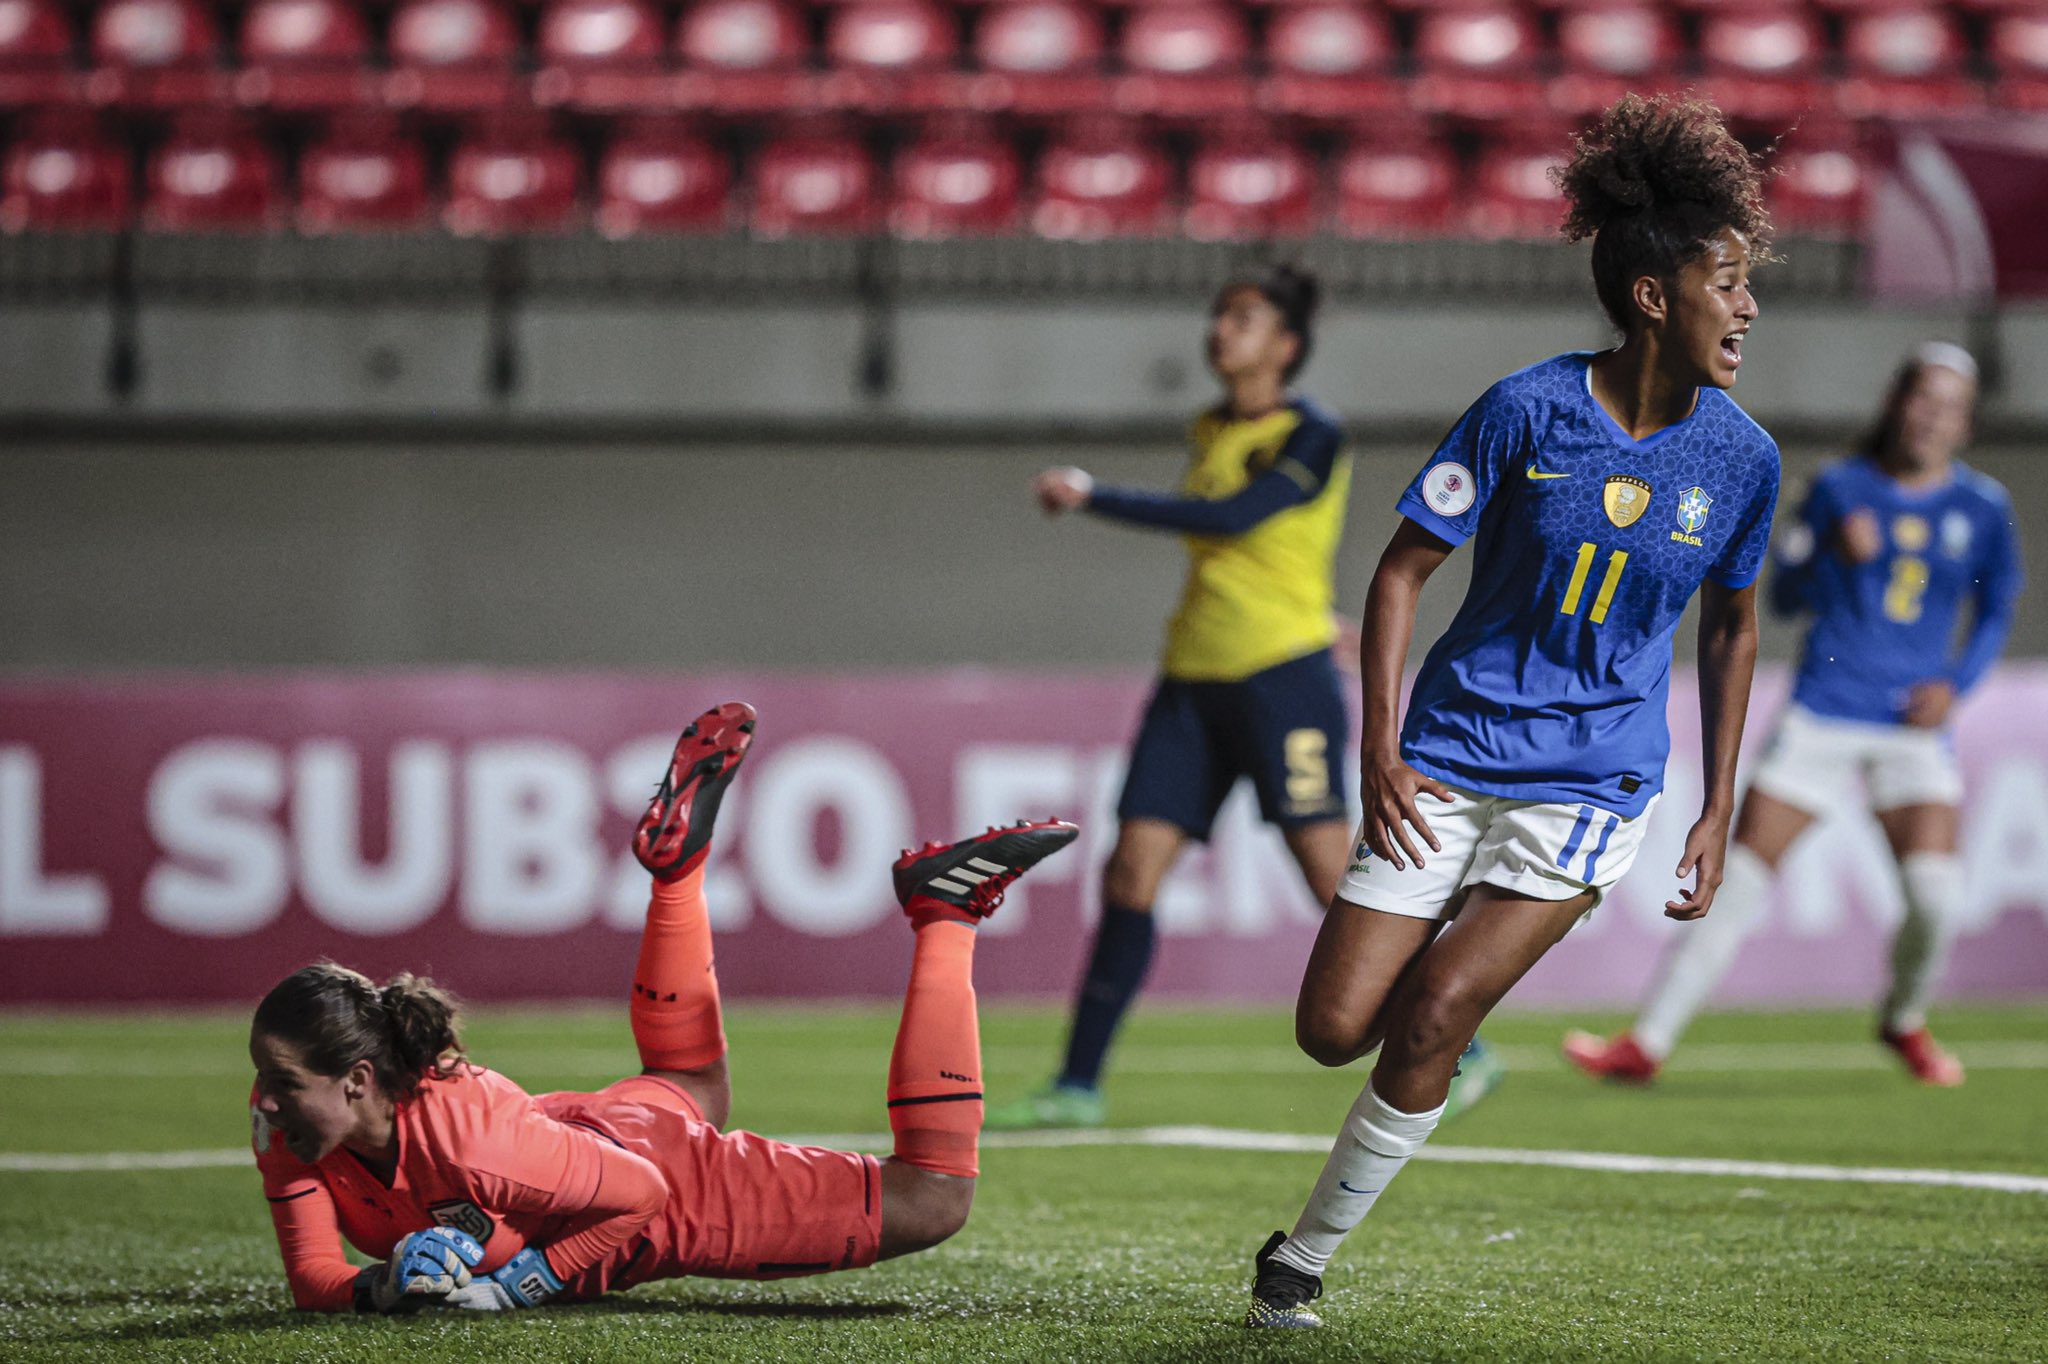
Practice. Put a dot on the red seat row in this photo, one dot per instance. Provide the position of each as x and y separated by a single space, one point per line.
513 173
1763 59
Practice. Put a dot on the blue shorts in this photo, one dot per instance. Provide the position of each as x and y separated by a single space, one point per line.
1286 728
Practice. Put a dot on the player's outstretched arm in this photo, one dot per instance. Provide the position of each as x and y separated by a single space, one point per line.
1388 786
1728 638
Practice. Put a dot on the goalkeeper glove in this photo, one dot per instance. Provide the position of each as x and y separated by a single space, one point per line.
424 1266
525 1280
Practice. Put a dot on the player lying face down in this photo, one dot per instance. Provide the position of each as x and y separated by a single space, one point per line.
371 1126
1600 492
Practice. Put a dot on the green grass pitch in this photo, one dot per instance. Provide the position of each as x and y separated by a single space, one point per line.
1132 1252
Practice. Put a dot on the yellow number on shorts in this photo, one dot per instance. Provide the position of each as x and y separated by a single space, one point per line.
1908 585
1308 766
1616 561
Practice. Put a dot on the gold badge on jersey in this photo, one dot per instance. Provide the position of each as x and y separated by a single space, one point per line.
1626 499
1911 533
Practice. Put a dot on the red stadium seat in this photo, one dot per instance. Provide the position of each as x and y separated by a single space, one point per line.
742 56
1185 58
1249 186
659 176
1512 195
1610 48
1330 59
214 172
36 38
451 55
304 54
956 182
64 173
1819 188
2017 46
822 181
1102 180
1401 188
601 54
1763 61
1478 59
1039 57
511 174
362 174
156 53
879 48
1906 59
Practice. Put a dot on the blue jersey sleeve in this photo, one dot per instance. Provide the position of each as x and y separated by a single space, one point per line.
1999 579
1795 573
1448 496
1300 471
1742 558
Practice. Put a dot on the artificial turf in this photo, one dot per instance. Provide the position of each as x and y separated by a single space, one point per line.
1128 1252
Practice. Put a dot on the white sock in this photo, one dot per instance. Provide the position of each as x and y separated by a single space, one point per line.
1933 884
1699 956
1373 1145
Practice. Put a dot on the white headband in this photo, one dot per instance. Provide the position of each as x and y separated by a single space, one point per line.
1947 355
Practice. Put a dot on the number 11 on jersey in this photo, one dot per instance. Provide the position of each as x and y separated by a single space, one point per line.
1616 561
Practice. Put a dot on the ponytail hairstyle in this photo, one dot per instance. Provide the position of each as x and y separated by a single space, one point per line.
335 1017
1929 355
1652 183
1296 292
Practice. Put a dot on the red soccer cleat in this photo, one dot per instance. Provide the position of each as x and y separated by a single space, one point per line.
1930 1062
966 880
675 833
1622 1059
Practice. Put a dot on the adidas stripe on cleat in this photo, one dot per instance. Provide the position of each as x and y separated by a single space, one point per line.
969 877
1281 1294
675 833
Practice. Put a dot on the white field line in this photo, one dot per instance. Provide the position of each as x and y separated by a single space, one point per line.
1149 1059
1212 1139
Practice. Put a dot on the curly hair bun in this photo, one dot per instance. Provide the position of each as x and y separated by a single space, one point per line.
1661 153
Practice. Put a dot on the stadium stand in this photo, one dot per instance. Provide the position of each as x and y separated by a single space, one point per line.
1365 117
362 173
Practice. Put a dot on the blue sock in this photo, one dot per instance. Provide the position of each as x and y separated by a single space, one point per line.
1116 970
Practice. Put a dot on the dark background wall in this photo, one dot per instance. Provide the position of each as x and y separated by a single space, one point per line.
821 553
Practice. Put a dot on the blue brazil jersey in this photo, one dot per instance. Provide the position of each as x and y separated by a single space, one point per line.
1881 627
1587 545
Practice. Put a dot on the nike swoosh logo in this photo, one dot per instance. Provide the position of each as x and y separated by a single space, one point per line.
1533 474
1348 1189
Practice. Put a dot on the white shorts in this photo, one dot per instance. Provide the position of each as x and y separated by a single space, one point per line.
1813 763
1546 851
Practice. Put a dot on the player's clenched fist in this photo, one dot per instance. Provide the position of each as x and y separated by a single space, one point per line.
424 1267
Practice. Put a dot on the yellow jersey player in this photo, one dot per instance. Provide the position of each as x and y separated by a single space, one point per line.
1249 684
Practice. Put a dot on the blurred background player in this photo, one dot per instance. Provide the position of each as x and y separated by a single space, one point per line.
1891 545
1249 682
369 1123
1601 491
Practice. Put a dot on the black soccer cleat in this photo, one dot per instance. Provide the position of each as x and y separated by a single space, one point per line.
971 875
675 833
1281 1294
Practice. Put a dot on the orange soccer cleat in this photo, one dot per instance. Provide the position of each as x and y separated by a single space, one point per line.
1622 1059
1930 1062
675 833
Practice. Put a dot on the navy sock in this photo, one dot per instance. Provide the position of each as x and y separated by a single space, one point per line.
1116 970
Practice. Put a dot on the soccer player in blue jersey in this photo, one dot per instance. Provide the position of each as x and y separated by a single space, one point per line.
1890 547
1600 492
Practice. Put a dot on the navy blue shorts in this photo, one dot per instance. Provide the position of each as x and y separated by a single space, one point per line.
1286 728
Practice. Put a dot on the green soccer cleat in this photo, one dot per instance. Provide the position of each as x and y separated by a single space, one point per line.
1054 1106
1479 1073
1281 1294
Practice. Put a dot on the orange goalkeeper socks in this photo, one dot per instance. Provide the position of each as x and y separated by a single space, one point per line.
676 1020
935 1070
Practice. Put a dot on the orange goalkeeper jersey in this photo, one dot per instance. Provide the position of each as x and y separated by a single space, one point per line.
476 1152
